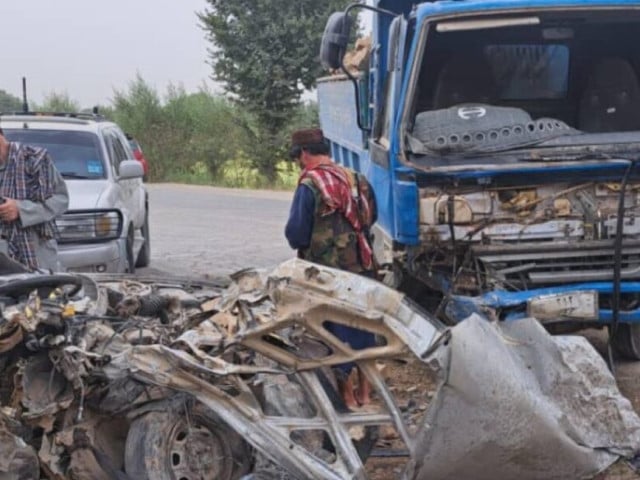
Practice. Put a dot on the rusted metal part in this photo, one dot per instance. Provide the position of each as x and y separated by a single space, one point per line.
18 460
10 336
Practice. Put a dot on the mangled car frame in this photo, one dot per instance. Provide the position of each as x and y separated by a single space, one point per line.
167 379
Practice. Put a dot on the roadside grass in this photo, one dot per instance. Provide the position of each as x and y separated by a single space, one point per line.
237 174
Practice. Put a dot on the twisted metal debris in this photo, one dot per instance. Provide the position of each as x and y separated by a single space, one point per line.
113 378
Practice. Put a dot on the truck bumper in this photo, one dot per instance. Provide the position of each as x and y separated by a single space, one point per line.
516 305
108 257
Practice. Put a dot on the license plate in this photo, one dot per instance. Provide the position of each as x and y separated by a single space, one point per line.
555 307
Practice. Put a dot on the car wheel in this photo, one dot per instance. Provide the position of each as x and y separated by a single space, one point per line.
144 257
168 445
131 264
626 340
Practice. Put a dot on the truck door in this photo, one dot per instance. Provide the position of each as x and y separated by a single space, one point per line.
386 114
382 139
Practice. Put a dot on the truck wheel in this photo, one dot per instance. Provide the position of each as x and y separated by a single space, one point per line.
144 257
626 341
172 446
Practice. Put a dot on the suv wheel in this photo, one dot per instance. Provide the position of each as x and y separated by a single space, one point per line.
131 264
144 257
170 445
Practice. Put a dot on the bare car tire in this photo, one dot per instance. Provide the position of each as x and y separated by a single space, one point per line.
144 257
169 445
626 340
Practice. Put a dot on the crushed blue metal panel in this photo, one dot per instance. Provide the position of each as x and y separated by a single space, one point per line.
482 6
460 307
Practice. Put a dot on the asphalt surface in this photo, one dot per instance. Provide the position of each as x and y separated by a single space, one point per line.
207 231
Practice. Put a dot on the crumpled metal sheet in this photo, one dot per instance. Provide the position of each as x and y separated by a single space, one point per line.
515 402
512 402
519 403
44 390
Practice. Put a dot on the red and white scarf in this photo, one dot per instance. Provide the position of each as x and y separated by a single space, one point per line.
339 191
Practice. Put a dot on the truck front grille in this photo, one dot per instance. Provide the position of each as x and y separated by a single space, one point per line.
527 265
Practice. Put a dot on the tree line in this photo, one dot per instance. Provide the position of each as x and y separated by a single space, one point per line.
189 137
265 54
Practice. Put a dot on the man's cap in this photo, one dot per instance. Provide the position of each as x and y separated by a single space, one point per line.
307 136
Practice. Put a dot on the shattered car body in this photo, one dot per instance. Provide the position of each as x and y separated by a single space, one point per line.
112 378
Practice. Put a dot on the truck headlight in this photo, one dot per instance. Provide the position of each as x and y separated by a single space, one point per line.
105 225
86 226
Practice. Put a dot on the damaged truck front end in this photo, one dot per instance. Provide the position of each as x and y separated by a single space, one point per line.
167 379
502 141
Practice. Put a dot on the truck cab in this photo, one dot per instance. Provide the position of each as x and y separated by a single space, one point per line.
502 139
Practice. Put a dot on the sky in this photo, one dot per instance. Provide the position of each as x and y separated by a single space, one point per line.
86 48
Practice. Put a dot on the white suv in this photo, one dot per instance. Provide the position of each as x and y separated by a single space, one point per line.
106 228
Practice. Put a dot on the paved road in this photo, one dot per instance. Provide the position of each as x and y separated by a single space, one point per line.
216 231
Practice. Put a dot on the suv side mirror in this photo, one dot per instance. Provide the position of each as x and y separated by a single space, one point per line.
130 169
335 40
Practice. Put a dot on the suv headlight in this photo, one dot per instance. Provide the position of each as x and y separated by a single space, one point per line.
82 226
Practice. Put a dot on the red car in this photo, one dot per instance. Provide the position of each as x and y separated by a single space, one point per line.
138 155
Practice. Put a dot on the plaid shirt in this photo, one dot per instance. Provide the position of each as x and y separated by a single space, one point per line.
28 175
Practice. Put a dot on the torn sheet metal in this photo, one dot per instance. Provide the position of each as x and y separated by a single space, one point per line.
508 391
519 403
256 356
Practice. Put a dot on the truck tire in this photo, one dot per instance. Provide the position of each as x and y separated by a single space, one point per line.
169 445
626 341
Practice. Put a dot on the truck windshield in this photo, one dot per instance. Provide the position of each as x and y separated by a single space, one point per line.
529 72
490 90
75 154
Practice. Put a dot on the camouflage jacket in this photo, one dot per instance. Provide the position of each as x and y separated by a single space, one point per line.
334 242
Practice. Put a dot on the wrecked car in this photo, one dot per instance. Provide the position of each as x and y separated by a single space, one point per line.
153 378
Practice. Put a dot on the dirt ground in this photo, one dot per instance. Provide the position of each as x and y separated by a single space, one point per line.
413 387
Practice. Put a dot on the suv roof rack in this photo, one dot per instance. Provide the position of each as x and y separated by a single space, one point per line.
79 115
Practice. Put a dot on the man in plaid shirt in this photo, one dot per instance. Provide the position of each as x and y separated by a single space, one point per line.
32 195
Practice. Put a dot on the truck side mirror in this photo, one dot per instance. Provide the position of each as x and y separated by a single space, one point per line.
335 40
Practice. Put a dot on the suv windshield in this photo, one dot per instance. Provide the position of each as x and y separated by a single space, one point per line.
75 154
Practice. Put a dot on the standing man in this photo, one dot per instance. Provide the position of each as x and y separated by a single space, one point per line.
333 209
32 195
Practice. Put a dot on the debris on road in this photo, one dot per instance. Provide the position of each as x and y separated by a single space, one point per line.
107 377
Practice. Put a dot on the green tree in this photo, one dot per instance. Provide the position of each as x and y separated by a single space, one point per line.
58 102
138 110
9 103
182 133
219 131
266 54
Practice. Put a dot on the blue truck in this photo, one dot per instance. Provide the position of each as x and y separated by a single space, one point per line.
501 138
